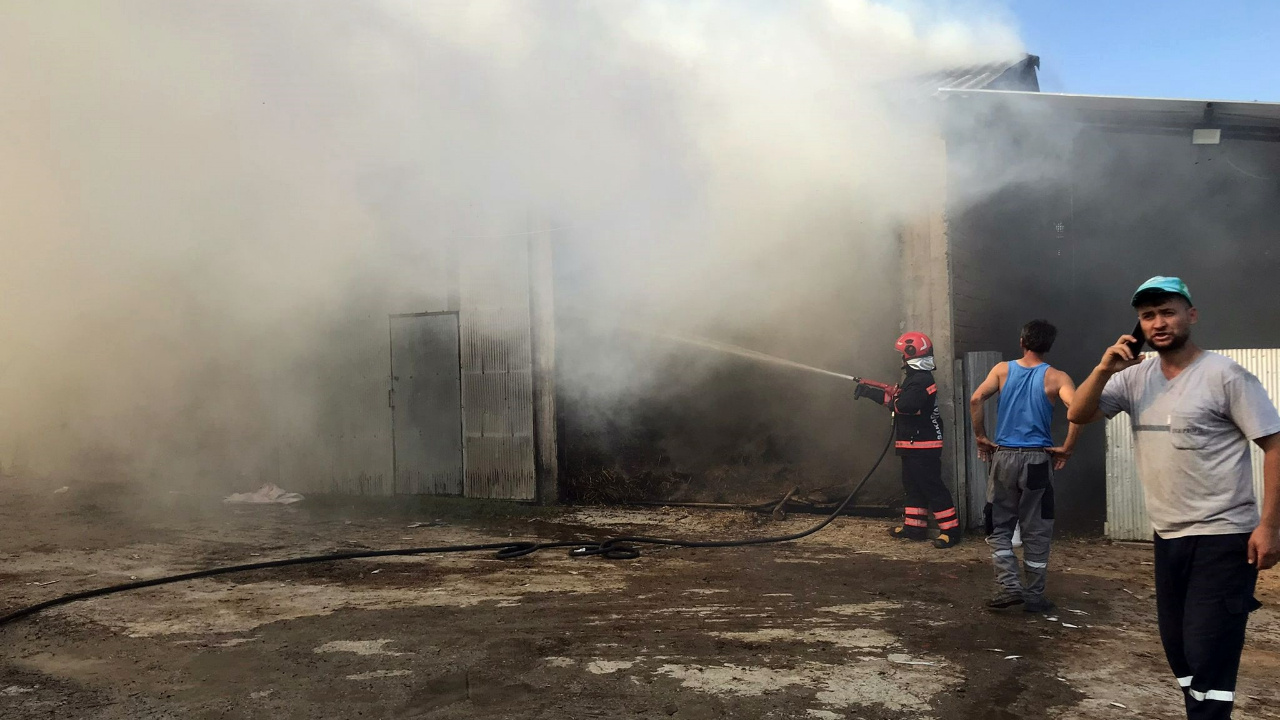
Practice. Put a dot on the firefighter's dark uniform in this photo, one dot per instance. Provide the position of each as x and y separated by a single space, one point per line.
918 441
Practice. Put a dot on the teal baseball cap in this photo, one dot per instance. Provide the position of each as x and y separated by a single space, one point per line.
1160 285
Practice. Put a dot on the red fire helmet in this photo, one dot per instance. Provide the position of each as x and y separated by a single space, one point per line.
914 345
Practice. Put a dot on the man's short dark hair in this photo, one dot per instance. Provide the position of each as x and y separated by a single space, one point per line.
1155 297
1038 336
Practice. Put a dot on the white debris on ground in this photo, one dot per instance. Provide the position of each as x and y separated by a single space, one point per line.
373 675
265 495
608 667
875 682
16 690
357 647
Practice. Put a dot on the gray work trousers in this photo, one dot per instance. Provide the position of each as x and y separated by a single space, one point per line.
1020 492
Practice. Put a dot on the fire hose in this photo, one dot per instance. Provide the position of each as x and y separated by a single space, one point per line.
623 547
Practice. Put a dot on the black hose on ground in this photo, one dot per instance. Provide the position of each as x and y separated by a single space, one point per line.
616 548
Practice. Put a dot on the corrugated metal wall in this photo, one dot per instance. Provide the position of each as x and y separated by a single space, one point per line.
977 365
497 377
1126 510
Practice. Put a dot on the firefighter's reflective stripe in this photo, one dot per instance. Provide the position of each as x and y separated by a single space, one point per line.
1037 565
1223 695
915 522
919 417
922 512
922 445
947 519
1002 553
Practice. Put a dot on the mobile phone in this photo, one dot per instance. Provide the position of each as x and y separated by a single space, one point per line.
1136 346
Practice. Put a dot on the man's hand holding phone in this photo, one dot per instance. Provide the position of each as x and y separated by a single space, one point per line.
1126 353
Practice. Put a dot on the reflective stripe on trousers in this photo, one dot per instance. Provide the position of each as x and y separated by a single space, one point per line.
1020 493
1219 695
1204 594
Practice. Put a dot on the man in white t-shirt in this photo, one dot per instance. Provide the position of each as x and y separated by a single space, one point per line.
1194 414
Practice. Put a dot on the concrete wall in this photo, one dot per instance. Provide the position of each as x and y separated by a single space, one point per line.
927 304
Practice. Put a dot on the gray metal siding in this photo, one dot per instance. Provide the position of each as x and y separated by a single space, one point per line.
976 367
426 404
1126 510
497 378
543 342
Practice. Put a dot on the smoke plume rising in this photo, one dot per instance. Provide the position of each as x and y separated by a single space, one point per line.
208 209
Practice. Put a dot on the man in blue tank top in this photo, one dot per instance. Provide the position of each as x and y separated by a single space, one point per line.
1023 458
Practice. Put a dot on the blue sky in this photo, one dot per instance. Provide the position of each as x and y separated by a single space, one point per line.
1225 50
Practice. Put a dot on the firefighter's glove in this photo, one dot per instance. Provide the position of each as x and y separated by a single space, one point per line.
870 392
866 391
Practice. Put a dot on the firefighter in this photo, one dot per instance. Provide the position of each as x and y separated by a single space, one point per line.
918 441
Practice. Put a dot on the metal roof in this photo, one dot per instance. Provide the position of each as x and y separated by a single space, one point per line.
1017 74
1118 110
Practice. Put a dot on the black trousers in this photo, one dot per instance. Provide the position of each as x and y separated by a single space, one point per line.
922 481
1204 594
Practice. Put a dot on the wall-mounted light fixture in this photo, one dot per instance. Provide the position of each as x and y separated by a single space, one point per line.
1206 136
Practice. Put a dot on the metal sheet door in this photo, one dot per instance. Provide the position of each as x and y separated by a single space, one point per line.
497 371
426 404
976 367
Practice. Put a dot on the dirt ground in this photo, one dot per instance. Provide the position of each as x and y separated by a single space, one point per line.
844 624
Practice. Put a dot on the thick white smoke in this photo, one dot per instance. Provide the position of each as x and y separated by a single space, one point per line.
207 209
